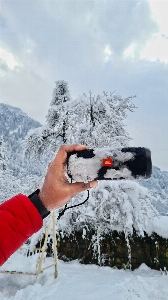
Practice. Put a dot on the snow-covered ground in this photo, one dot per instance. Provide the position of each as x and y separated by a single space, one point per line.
83 282
80 282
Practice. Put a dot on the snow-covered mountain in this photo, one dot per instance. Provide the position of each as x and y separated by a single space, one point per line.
14 126
157 184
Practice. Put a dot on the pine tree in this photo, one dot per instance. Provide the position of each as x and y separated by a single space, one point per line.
53 134
57 114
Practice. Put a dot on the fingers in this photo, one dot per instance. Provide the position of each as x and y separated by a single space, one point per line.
76 147
93 183
64 149
56 190
61 156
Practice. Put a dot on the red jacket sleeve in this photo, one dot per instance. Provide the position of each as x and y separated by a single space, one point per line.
19 219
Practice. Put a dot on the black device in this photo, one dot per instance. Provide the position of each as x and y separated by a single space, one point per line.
108 164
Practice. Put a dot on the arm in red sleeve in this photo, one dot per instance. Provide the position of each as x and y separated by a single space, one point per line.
19 219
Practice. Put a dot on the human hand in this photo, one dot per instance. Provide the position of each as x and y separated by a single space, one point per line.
56 190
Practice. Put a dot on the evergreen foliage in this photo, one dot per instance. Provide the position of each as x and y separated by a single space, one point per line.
53 134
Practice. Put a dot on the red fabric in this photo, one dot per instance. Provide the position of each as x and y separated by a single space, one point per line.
19 219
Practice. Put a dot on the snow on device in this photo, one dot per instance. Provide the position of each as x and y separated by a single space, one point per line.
109 164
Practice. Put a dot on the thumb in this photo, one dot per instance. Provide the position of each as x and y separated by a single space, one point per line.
79 187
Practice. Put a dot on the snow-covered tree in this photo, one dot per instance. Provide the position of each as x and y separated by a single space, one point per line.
97 121
3 155
120 205
53 134
8 183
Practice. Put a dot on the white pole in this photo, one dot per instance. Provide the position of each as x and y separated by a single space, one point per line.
55 246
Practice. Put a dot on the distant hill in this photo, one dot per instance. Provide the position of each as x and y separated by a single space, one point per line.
14 126
158 187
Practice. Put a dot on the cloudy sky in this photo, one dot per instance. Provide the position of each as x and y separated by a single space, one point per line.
98 45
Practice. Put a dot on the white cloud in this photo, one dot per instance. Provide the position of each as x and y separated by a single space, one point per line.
8 58
107 53
156 49
29 46
160 10
130 51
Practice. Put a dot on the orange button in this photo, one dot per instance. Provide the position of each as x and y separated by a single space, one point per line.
107 162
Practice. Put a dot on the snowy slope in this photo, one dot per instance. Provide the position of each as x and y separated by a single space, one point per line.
83 282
